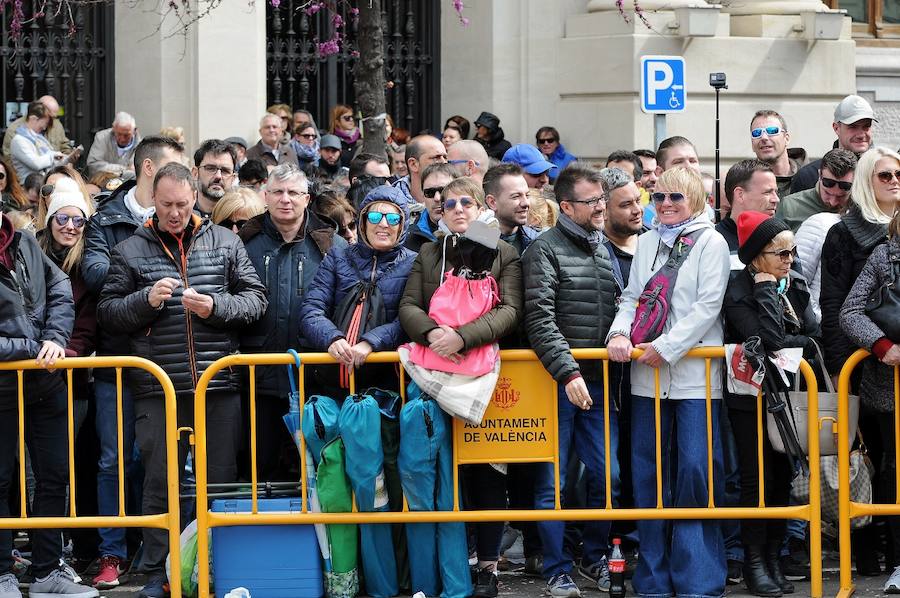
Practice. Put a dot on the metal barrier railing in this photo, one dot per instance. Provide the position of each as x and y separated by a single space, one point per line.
541 384
168 521
848 509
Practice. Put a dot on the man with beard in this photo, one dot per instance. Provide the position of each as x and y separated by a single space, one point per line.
506 192
213 169
624 221
769 138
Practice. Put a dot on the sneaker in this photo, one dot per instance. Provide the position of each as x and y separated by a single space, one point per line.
60 582
157 587
598 573
9 586
562 585
486 584
110 570
735 573
892 585
534 565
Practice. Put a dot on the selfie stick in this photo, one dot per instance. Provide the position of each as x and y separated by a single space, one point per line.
717 81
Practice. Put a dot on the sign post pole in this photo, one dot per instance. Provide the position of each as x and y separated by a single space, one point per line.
659 129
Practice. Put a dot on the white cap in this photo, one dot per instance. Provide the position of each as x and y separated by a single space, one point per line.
65 194
852 109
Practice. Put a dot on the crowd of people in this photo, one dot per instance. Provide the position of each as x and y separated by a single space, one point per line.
184 259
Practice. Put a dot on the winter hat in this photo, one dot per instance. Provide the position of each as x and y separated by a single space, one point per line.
65 194
755 231
486 119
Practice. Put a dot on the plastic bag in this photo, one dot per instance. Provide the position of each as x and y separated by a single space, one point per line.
189 569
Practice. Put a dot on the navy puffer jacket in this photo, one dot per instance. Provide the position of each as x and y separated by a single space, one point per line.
343 267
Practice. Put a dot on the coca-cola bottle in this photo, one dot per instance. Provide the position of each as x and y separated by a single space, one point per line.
617 570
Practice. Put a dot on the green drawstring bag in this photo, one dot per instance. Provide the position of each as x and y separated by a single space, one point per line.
335 496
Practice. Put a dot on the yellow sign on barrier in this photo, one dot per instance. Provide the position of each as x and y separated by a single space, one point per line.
520 422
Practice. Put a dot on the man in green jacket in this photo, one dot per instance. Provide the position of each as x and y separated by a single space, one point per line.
830 194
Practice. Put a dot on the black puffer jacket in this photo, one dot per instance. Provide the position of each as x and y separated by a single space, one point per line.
183 344
570 300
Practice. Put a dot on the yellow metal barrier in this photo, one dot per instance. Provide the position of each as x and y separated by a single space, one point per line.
847 509
515 363
168 521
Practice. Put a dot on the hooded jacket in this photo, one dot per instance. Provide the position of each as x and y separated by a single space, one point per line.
287 270
560 158
214 263
344 266
496 144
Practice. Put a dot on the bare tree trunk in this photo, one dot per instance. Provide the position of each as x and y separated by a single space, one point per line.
369 76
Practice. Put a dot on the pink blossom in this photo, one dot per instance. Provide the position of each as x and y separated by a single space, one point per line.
337 20
275 3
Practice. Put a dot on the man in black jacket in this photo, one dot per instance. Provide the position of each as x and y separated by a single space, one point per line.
181 288
570 302
37 313
116 219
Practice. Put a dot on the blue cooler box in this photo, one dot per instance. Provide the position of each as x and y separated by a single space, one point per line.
272 561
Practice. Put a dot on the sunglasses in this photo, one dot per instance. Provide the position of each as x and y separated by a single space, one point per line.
47 190
430 192
308 135
230 224
465 202
63 219
886 176
376 218
769 131
2 176
660 196
785 254
347 117
842 185
546 141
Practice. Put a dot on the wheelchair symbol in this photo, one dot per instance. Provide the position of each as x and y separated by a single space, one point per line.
673 101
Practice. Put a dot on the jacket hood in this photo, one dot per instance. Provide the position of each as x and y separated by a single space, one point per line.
321 231
392 195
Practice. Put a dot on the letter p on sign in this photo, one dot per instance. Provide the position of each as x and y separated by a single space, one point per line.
662 84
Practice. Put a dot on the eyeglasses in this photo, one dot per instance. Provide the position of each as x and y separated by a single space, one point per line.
376 218
886 176
465 202
769 131
231 224
592 202
457 162
2 176
430 192
308 135
785 254
212 169
546 141
347 117
47 190
290 193
63 219
660 196
843 185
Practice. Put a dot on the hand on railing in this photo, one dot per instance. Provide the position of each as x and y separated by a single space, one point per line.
48 355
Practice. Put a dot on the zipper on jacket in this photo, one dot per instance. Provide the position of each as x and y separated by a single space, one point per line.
300 276
266 262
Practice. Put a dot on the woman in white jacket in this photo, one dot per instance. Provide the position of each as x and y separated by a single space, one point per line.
676 557
30 150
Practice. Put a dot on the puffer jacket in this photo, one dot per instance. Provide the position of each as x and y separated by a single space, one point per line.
426 276
876 388
570 299
36 305
287 270
694 314
182 343
754 309
560 158
848 245
343 267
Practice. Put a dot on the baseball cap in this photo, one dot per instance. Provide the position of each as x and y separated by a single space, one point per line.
331 141
529 158
852 109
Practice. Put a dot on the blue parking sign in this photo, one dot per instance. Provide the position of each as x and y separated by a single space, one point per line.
662 84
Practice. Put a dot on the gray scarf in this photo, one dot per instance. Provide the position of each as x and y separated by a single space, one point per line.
594 238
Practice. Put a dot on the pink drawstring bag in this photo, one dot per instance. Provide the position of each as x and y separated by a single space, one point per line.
456 302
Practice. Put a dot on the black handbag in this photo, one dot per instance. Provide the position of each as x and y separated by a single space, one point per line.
883 306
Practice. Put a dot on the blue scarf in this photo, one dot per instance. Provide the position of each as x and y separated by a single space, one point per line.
41 144
669 233
307 153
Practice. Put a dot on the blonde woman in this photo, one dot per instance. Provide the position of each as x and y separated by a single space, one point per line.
543 211
236 208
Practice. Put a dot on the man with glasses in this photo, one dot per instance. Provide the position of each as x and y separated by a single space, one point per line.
434 179
213 168
831 193
272 147
853 118
286 245
570 302
535 167
470 159
547 140
769 138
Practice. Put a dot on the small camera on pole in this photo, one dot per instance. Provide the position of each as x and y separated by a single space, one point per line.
717 82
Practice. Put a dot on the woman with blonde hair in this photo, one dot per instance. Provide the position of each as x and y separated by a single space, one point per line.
237 207
343 124
681 557
543 211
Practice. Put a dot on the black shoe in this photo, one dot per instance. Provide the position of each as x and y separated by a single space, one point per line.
735 573
486 584
756 575
534 565
773 564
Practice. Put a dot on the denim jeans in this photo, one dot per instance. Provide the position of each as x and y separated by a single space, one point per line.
46 435
582 430
112 539
438 552
731 528
684 558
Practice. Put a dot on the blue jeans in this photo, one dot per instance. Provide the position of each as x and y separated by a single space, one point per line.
684 558
438 552
731 528
583 431
112 539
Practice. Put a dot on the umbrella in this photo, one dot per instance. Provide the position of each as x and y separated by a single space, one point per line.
292 417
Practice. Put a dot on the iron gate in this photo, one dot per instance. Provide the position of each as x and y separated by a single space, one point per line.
72 61
298 76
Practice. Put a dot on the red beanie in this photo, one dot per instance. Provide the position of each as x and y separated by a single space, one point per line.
755 231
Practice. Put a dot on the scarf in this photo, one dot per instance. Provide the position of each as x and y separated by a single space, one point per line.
348 138
123 151
867 234
307 153
669 233
140 213
594 238
41 144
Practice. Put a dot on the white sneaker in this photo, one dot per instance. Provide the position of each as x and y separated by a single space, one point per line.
9 586
60 584
892 585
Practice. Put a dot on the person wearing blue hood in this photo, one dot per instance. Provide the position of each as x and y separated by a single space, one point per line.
547 140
